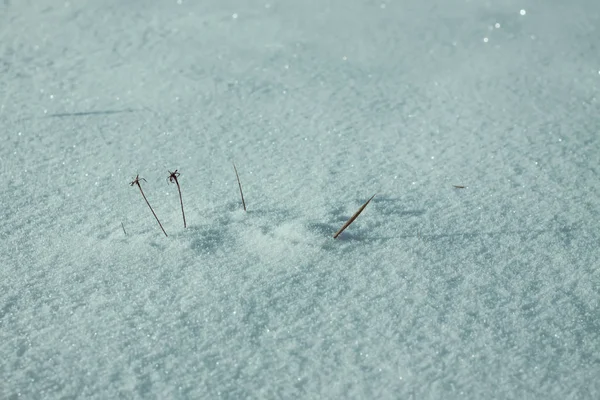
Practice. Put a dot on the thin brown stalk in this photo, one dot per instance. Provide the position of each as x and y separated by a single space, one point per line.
123 226
136 181
240 185
173 178
352 218
459 186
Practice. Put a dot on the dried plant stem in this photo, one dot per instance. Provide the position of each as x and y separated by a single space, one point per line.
123 226
136 181
173 178
240 185
352 218
151 209
181 202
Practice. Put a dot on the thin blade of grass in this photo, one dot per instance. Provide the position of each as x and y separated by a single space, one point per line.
240 185
352 218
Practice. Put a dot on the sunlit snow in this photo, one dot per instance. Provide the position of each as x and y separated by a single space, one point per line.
472 274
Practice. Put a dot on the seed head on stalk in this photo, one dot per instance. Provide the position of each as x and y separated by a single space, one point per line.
136 181
173 178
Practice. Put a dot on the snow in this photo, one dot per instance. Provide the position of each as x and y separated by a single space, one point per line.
491 291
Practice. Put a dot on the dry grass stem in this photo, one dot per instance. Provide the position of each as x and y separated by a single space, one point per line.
352 218
136 181
173 178
240 185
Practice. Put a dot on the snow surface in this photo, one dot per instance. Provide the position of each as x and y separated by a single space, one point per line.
492 291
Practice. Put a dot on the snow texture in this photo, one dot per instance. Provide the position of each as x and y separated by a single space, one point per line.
491 291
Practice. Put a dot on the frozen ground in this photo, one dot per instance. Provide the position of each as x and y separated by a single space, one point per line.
434 292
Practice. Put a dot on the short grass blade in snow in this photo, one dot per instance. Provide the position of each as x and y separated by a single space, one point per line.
173 178
136 181
240 185
352 218
123 226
